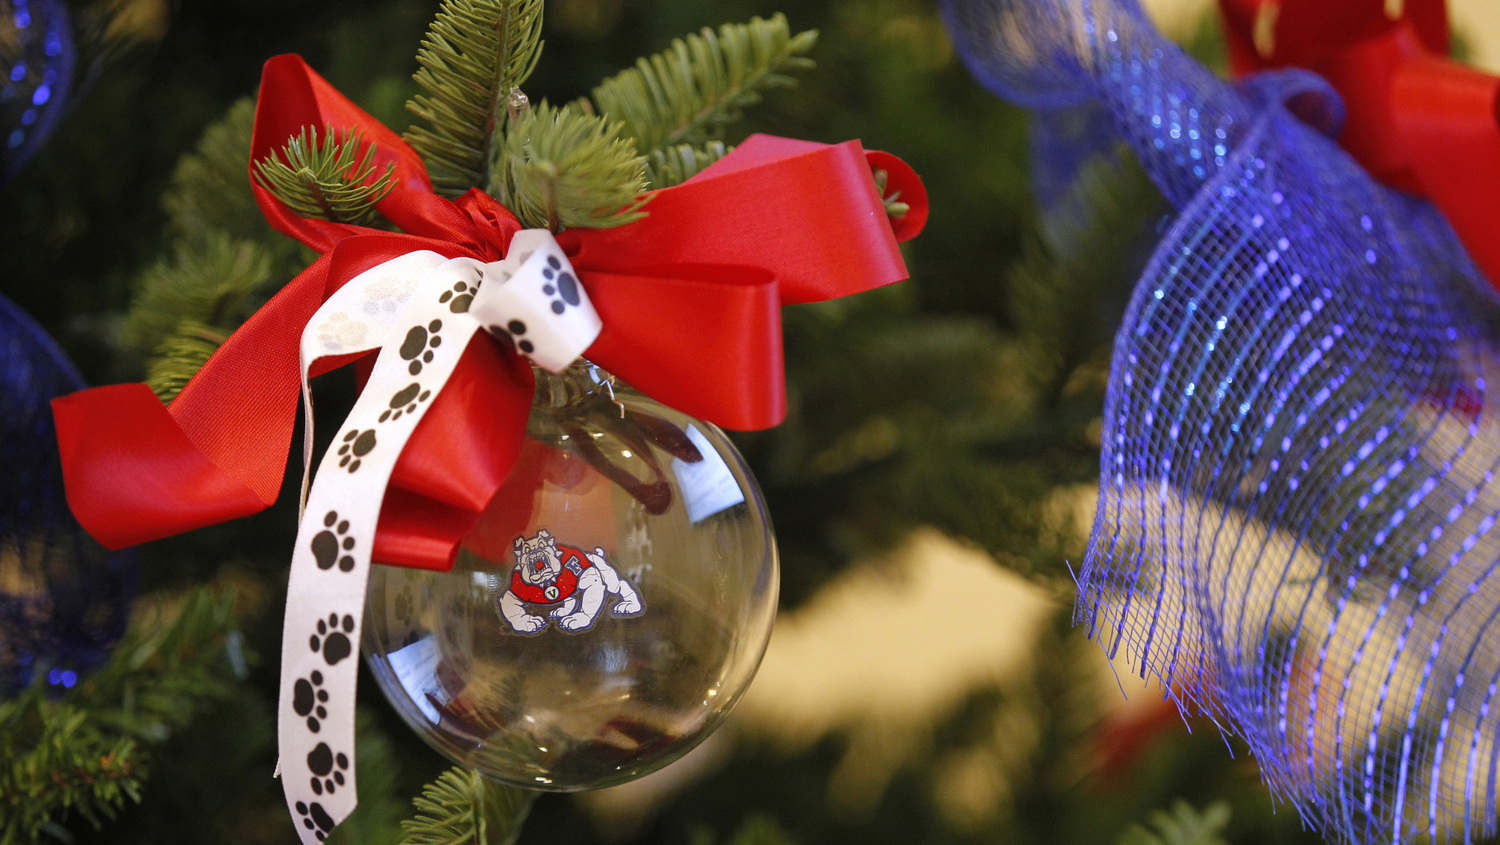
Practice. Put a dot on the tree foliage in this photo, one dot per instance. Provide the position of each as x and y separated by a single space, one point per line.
476 54
462 807
1183 825
332 179
88 751
688 93
565 168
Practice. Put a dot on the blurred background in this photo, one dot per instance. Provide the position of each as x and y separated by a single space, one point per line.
930 489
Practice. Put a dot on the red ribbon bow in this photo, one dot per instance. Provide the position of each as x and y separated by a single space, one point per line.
690 297
1414 119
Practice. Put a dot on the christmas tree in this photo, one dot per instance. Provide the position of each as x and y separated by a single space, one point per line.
955 414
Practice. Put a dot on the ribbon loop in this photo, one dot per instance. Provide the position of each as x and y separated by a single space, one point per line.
533 302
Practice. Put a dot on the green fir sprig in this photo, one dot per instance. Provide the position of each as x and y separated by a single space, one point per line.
585 164
332 179
475 56
186 306
1184 825
180 356
668 166
462 807
688 93
566 168
88 752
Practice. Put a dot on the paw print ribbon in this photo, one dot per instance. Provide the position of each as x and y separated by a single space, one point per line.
1413 118
689 296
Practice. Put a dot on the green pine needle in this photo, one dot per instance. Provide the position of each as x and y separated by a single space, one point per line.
476 53
328 179
208 191
688 93
1080 257
461 807
668 166
210 284
180 356
185 307
88 752
1182 826
561 168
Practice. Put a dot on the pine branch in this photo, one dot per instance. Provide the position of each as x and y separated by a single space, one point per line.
328 179
668 166
208 185
688 93
209 195
476 53
183 308
1069 288
1183 826
72 766
563 168
88 751
209 285
461 806
180 356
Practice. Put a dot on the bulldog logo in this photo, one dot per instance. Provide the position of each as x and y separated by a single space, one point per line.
574 584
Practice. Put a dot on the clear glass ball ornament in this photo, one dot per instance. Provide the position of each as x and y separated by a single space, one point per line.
607 611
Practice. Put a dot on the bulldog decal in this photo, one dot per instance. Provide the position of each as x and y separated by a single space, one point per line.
574 585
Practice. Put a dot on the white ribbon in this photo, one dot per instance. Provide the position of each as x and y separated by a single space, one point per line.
420 311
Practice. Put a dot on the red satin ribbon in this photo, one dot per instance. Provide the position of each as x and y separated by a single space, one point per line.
1415 120
690 297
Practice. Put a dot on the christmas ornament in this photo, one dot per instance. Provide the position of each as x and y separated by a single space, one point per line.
64 600
682 305
1415 119
1295 527
37 59
606 611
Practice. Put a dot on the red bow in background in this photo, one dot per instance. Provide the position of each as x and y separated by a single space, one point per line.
690 297
1416 120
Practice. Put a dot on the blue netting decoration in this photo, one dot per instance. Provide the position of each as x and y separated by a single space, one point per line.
1296 529
64 600
37 59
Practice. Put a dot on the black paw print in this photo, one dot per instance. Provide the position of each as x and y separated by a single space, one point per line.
356 445
327 768
316 819
419 343
326 544
331 641
308 698
405 401
460 298
567 286
511 333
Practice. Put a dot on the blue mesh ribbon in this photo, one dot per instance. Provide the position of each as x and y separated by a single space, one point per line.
1297 518
64 600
